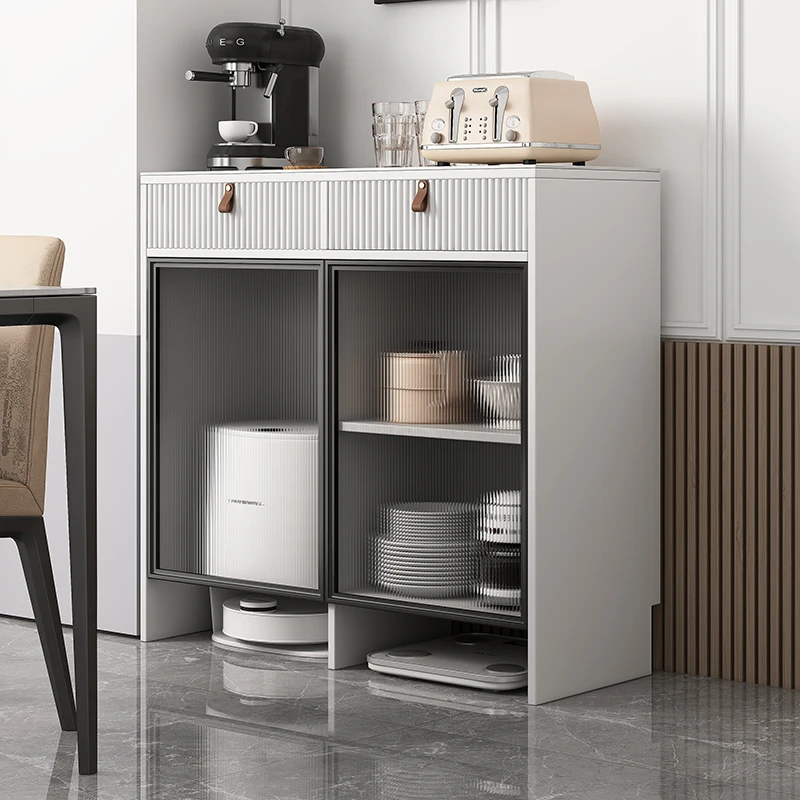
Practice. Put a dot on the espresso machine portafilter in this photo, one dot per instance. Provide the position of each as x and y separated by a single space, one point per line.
272 73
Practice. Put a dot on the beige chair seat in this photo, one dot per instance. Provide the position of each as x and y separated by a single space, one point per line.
16 500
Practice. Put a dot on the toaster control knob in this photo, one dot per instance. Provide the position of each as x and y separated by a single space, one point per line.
511 136
438 124
436 137
513 122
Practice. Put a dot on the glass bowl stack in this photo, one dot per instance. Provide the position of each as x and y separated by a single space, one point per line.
499 397
500 549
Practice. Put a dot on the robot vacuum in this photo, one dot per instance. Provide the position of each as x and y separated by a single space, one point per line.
286 626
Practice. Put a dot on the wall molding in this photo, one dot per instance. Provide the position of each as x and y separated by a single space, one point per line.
735 328
484 38
710 326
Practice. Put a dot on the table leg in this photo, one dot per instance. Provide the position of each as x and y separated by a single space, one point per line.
79 360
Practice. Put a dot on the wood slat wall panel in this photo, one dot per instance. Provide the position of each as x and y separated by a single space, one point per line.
762 533
730 504
775 465
703 584
681 401
796 512
726 527
737 451
715 509
751 524
787 518
691 477
668 495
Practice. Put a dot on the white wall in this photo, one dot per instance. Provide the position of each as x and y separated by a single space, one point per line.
178 120
73 147
70 154
652 77
389 52
69 170
647 71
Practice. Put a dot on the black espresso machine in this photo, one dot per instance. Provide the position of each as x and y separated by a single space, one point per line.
273 75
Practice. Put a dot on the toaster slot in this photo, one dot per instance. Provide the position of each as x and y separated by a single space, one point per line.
455 103
499 103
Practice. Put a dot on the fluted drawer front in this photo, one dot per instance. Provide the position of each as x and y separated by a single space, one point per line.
464 214
273 215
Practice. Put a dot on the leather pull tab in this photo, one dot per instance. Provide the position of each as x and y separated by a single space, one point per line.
420 203
226 204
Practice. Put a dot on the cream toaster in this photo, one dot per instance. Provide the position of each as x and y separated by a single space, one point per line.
522 117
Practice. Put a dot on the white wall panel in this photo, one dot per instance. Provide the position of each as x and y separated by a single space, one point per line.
69 141
649 75
762 176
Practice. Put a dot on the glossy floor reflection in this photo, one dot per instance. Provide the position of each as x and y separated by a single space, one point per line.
181 720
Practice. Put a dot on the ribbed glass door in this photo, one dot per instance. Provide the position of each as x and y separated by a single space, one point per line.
235 443
428 402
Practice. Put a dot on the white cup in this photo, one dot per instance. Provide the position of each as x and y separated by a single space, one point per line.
237 130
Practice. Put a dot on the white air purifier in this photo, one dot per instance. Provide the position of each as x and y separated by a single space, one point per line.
261 520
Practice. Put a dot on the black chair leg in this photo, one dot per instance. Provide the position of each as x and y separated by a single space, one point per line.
35 555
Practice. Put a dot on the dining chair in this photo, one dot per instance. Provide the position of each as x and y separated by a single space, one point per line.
26 357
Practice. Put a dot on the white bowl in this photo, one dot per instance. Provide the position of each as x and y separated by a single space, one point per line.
508 367
507 497
500 401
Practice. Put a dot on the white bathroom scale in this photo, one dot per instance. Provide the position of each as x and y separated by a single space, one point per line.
477 660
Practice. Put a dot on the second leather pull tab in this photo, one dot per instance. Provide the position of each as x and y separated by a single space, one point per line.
226 204
420 203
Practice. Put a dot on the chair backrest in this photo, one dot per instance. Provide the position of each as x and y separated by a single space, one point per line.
26 360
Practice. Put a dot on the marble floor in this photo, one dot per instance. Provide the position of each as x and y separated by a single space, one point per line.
182 720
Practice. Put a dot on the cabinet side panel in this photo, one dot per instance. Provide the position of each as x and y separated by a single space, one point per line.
595 429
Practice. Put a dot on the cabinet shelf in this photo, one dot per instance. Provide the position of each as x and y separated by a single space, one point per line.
466 432
458 606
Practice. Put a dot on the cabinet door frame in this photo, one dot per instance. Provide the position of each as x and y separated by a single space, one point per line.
151 488
333 269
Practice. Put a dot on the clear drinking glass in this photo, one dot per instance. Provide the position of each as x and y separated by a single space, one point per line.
421 108
394 133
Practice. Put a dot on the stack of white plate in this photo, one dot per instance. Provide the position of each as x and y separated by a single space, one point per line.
425 550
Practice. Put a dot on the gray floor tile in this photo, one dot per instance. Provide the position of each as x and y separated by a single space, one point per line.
182 720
